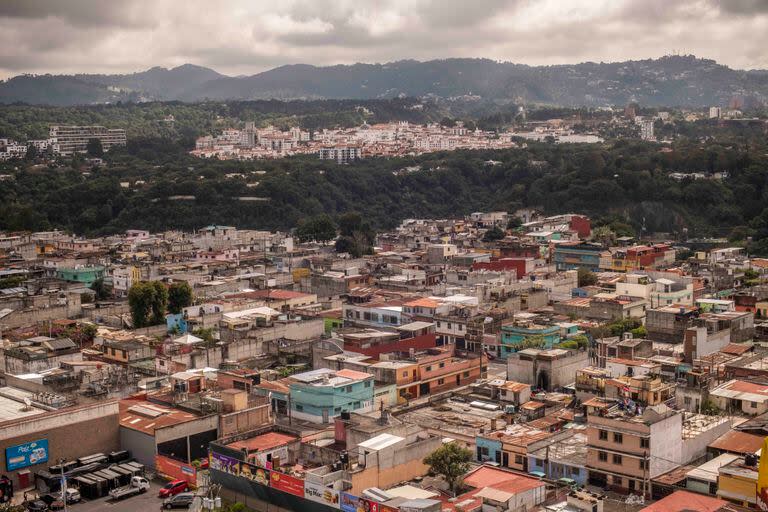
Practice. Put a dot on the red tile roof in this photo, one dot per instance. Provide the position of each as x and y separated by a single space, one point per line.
513 483
263 442
680 501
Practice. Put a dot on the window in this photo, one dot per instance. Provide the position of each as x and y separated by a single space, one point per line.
429 368
337 409
461 327
405 373
367 383
440 382
518 459
753 405
616 480
643 464
618 438
631 485
357 405
575 471
645 442
438 324
687 400
603 435
465 374
442 365
348 389
449 325
237 384
602 456
617 459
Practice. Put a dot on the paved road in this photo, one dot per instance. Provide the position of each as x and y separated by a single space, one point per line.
147 502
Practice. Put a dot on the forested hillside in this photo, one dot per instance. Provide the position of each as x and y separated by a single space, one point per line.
626 182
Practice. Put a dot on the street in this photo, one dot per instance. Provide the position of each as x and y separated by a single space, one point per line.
144 502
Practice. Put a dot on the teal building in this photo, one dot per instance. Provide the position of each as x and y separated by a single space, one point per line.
518 337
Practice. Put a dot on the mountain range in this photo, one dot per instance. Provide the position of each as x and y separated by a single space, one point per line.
667 81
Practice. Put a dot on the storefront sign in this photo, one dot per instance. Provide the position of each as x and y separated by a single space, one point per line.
321 494
27 454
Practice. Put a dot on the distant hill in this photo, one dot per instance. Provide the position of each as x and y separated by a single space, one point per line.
668 81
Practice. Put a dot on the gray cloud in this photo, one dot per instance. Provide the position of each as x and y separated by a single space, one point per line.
248 36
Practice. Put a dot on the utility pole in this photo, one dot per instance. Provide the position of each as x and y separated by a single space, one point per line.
63 485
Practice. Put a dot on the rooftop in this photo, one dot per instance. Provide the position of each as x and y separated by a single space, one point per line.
263 442
136 413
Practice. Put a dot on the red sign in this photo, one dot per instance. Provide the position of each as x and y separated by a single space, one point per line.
286 483
175 469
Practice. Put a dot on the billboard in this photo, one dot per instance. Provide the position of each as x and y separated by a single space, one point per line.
225 464
286 483
352 503
321 494
27 454
176 469
254 473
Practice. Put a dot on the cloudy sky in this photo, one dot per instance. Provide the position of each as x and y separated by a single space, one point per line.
248 36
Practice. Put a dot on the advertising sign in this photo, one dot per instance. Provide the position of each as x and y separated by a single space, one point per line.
224 464
176 469
27 454
321 494
254 473
349 502
286 483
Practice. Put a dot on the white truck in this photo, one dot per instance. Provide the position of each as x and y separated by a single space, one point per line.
138 485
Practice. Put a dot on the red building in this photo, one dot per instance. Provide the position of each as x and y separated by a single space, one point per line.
521 266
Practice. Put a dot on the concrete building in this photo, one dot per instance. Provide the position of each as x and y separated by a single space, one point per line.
546 369
67 140
741 397
342 155
522 335
320 395
628 447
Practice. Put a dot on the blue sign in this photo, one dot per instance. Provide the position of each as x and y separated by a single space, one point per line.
27 454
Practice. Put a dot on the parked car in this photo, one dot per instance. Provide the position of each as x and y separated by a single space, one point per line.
174 487
183 500
36 506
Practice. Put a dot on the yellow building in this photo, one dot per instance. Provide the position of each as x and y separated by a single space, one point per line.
737 483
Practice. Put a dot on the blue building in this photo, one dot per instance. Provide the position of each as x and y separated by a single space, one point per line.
518 337
320 395
487 450
576 255
566 458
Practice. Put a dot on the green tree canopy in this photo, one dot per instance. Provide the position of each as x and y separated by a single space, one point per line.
148 301
318 229
180 295
586 277
494 234
452 461
101 289
94 148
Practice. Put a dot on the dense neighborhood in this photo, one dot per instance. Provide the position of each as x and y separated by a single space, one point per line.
558 366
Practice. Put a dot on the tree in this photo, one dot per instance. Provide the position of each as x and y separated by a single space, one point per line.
603 235
514 222
452 461
586 277
147 301
494 234
100 289
94 148
357 237
31 153
319 229
180 296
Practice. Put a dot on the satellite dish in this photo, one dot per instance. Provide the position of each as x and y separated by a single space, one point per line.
27 401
